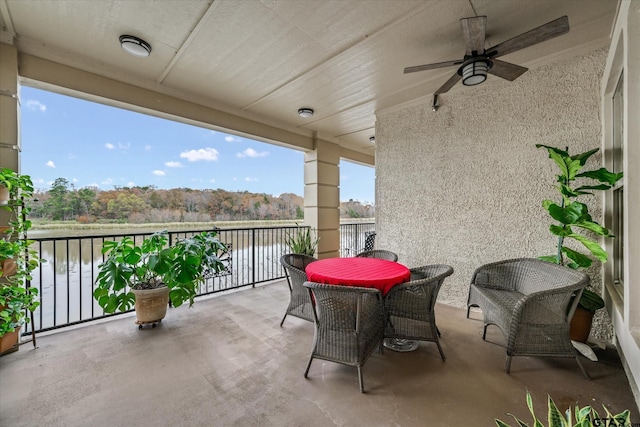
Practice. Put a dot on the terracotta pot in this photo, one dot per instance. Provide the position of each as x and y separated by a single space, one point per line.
151 304
580 326
9 342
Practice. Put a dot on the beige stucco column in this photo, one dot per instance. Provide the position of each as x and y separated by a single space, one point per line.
9 106
322 196
9 113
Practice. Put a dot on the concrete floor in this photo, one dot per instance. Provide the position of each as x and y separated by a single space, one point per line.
226 362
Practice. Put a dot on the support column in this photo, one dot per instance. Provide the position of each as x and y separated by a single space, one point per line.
9 114
322 196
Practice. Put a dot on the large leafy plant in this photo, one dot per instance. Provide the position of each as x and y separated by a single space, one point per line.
154 263
584 417
571 214
17 259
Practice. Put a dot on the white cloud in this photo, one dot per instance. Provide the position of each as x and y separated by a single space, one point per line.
36 105
206 154
250 152
124 146
107 181
131 184
51 164
212 180
74 180
230 138
109 146
147 147
173 164
159 173
250 179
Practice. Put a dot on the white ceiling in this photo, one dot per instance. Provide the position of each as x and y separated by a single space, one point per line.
263 59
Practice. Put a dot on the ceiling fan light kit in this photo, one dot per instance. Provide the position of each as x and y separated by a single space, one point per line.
478 61
474 72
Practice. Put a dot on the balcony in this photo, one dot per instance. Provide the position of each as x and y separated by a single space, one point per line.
227 362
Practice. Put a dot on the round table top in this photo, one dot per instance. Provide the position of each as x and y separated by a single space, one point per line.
366 272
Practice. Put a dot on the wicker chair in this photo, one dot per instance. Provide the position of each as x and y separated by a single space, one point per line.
410 306
349 324
299 303
380 254
532 302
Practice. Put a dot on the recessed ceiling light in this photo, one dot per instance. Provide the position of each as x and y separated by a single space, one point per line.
305 112
135 46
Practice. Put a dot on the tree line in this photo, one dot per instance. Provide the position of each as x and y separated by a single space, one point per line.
148 204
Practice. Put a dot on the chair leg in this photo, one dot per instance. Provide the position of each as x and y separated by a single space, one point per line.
306 372
468 309
507 365
584 372
285 316
360 379
484 331
441 352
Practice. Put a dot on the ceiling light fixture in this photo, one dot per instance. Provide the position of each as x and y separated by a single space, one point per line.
305 112
135 46
372 139
475 72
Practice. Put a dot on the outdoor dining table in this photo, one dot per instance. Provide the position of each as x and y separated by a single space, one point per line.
363 272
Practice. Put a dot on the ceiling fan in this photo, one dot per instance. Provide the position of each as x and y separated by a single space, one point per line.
478 61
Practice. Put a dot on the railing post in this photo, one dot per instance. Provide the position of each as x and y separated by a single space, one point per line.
253 257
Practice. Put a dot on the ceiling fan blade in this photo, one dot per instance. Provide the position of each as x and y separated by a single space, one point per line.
474 30
506 70
448 84
537 35
431 66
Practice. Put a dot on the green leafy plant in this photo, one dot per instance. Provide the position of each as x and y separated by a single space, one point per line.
572 214
301 241
584 417
154 263
17 259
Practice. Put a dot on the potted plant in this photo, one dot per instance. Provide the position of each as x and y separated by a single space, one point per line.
584 417
17 260
301 241
572 214
147 275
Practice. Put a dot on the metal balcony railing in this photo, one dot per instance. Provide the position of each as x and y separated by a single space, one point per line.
66 280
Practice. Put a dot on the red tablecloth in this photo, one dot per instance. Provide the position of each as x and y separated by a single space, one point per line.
366 272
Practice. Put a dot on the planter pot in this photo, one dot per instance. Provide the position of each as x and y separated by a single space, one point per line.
580 326
151 304
4 195
9 342
9 267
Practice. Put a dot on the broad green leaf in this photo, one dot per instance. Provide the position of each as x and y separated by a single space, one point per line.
583 157
593 247
594 227
561 231
602 175
581 260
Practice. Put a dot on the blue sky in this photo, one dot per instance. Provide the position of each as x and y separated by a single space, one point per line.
91 144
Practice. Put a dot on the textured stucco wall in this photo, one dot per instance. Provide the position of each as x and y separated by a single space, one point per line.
463 186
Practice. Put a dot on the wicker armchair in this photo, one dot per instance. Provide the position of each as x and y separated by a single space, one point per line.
410 306
532 302
299 303
349 324
380 254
